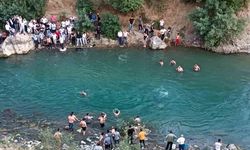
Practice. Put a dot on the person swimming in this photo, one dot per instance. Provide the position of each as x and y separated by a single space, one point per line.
116 112
83 93
161 62
179 69
172 62
102 119
137 120
196 68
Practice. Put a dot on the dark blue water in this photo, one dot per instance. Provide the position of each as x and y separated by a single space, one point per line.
204 106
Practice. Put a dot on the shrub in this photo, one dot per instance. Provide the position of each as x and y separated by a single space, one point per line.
126 5
86 4
49 143
29 9
110 25
83 22
216 22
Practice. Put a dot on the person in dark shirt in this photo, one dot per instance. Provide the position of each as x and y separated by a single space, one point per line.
130 133
131 23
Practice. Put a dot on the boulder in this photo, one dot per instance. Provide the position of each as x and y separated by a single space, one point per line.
18 44
233 147
157 43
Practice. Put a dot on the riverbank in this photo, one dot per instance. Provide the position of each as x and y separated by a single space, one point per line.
18 132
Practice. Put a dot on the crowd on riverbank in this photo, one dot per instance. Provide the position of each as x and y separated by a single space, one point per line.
53 33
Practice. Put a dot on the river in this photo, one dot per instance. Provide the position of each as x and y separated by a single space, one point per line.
204 106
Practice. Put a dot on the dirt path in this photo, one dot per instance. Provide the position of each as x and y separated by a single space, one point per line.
56 7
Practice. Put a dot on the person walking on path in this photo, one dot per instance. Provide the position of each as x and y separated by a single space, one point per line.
71 119
218 145
170 140
142 137
181 142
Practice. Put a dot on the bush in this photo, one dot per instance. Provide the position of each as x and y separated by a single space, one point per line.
84 4
216 22
48 142
110 25
126 5
29 9
83 22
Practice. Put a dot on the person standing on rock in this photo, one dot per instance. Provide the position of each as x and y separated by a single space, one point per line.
83 125
218 145
181 142
140 24
71 119
170 140
102 119
142 137
131 23
130 133
178 40
58 138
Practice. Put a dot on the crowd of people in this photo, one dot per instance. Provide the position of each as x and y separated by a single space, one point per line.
51 33
110 139
148 31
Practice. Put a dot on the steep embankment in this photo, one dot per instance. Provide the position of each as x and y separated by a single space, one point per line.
57 7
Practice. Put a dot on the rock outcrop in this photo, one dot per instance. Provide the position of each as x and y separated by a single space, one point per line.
18 44
156 43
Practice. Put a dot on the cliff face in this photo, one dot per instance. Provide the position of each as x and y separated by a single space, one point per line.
57 7
19 44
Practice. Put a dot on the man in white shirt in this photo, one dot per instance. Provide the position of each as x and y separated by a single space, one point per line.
119 34
218 145
181 142
162 23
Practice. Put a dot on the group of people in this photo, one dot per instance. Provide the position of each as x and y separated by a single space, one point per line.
110 139
52 33
196 67
148 31
171 137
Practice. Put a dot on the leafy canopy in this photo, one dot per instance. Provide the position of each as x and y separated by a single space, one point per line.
216 22
29 9
110 25
126 5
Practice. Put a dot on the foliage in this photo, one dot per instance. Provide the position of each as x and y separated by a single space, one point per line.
110 25
216 22
84 23
49 143
29 9
126 5
86 4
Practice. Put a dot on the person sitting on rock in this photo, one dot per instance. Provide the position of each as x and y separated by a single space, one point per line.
196 68
179 69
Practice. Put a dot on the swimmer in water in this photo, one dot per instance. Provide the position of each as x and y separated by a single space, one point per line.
116 112
196 68
179 69
137 120
161 62
83 93
172 62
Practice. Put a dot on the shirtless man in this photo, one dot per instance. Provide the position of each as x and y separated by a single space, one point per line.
102 119
88 118
83 125
71 119
58 138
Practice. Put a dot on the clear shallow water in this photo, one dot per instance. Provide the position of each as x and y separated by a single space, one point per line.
204 106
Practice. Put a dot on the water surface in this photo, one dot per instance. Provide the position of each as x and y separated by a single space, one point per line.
204 106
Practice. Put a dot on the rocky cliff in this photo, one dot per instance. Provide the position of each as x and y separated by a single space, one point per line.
18 44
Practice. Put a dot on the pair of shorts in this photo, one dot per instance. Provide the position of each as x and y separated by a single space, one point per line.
84 128
102 125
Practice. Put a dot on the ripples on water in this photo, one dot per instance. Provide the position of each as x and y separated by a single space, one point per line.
204 106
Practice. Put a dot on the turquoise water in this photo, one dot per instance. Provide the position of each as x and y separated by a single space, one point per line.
204 106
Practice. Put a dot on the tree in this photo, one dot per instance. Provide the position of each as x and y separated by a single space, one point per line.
216 22
110 25
126 5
